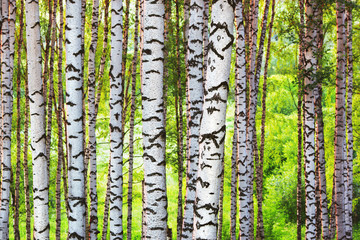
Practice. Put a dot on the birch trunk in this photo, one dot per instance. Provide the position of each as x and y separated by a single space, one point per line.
37 119
350 140
74 105
212 128
116 124
194 109
241 111
340 123
93 227
153 120
309 115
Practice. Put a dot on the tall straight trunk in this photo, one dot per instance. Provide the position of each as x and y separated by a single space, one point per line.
259 175
7 107
241 112
93 227
221 205
195 92
320 133
153 120
212 127
167 32
143 220
254 11
179 125
25 162
350 140
100 73
75 134
340 122
234 175
37 119
309 116
116 123
60 127
299 123
106 206
132 119
51 81
18 127
205 36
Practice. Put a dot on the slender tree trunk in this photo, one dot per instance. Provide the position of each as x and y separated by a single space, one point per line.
116 123
320 134
153 120
212 128
60 128
340 124
243 162
179 124
221 205
18 127
7 108
93 227
234 174
100 73
299 124
350 140
37 118
74 104
132 118
25 162
194 104
260 224
309 115
205 36
106 206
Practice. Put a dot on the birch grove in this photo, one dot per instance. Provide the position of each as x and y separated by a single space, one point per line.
192 119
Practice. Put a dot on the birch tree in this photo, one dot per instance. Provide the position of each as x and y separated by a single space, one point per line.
152 61
340 122
37 120
212 128
350 140
74 110
116 124
309 116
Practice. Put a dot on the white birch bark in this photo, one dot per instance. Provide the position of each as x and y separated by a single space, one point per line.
244 173
309 116
74 110
7 103
37 119
116 125
155 212
212 128
194 104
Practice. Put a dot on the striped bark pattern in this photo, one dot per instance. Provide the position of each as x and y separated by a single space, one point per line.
18 123
132 119
243 162
340 123
116 142
91 148
309 116
59 114
7 104
37 119
153 120
259 175
299 120
194 98
320 146
350 140
212 128
234 177
253 92
74 105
